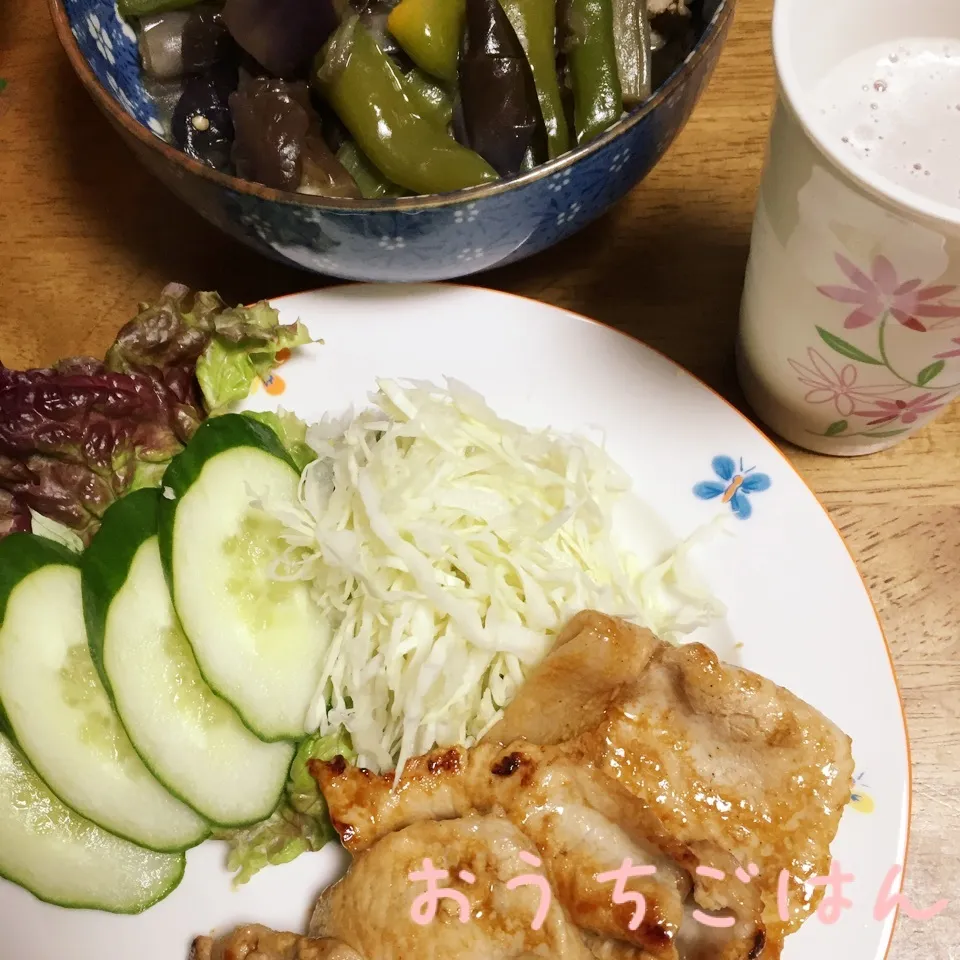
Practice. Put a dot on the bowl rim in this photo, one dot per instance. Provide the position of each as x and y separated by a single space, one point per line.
154 143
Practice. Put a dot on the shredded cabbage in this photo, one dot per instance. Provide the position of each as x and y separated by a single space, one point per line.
448 546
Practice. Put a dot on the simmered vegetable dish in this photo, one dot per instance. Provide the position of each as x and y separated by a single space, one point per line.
387 98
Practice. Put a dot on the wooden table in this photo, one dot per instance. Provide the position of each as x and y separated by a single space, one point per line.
85 233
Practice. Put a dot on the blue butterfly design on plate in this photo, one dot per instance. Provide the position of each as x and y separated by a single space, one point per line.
737 483
859 798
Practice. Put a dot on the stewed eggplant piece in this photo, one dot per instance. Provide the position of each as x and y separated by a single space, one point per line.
501 110
535 22
323 173
282 35
278 141
161 44
673 36
183 41
271 118
202 125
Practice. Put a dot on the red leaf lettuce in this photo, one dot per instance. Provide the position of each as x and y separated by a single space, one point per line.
79 435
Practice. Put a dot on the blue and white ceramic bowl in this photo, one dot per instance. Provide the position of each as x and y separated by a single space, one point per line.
410 239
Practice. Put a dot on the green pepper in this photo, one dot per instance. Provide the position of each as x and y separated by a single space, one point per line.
631 32
592 60
431 99
535 22
366 90
429 32
369 179
143 8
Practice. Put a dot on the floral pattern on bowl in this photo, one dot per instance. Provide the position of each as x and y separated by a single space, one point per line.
109 45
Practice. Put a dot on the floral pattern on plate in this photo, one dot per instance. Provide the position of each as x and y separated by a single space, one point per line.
860 800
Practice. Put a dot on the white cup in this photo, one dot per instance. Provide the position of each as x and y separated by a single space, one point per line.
850 321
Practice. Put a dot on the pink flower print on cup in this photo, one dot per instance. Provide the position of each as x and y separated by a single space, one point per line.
949 354
904 411
883 293
829 385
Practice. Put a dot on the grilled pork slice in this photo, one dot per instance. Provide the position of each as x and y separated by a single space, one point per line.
723 755
618 749
731 759
583 825
372 907
644 750
254 942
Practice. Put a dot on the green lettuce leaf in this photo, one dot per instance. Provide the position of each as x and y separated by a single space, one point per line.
292 432
43 526
299 825
279 839
244 347
79 435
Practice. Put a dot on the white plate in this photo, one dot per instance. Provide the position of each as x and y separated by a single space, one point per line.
795 600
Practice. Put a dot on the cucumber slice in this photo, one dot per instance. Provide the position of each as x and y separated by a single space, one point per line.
64 859
259 643
193 741
58 712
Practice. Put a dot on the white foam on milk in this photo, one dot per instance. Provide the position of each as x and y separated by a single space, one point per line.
896 109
